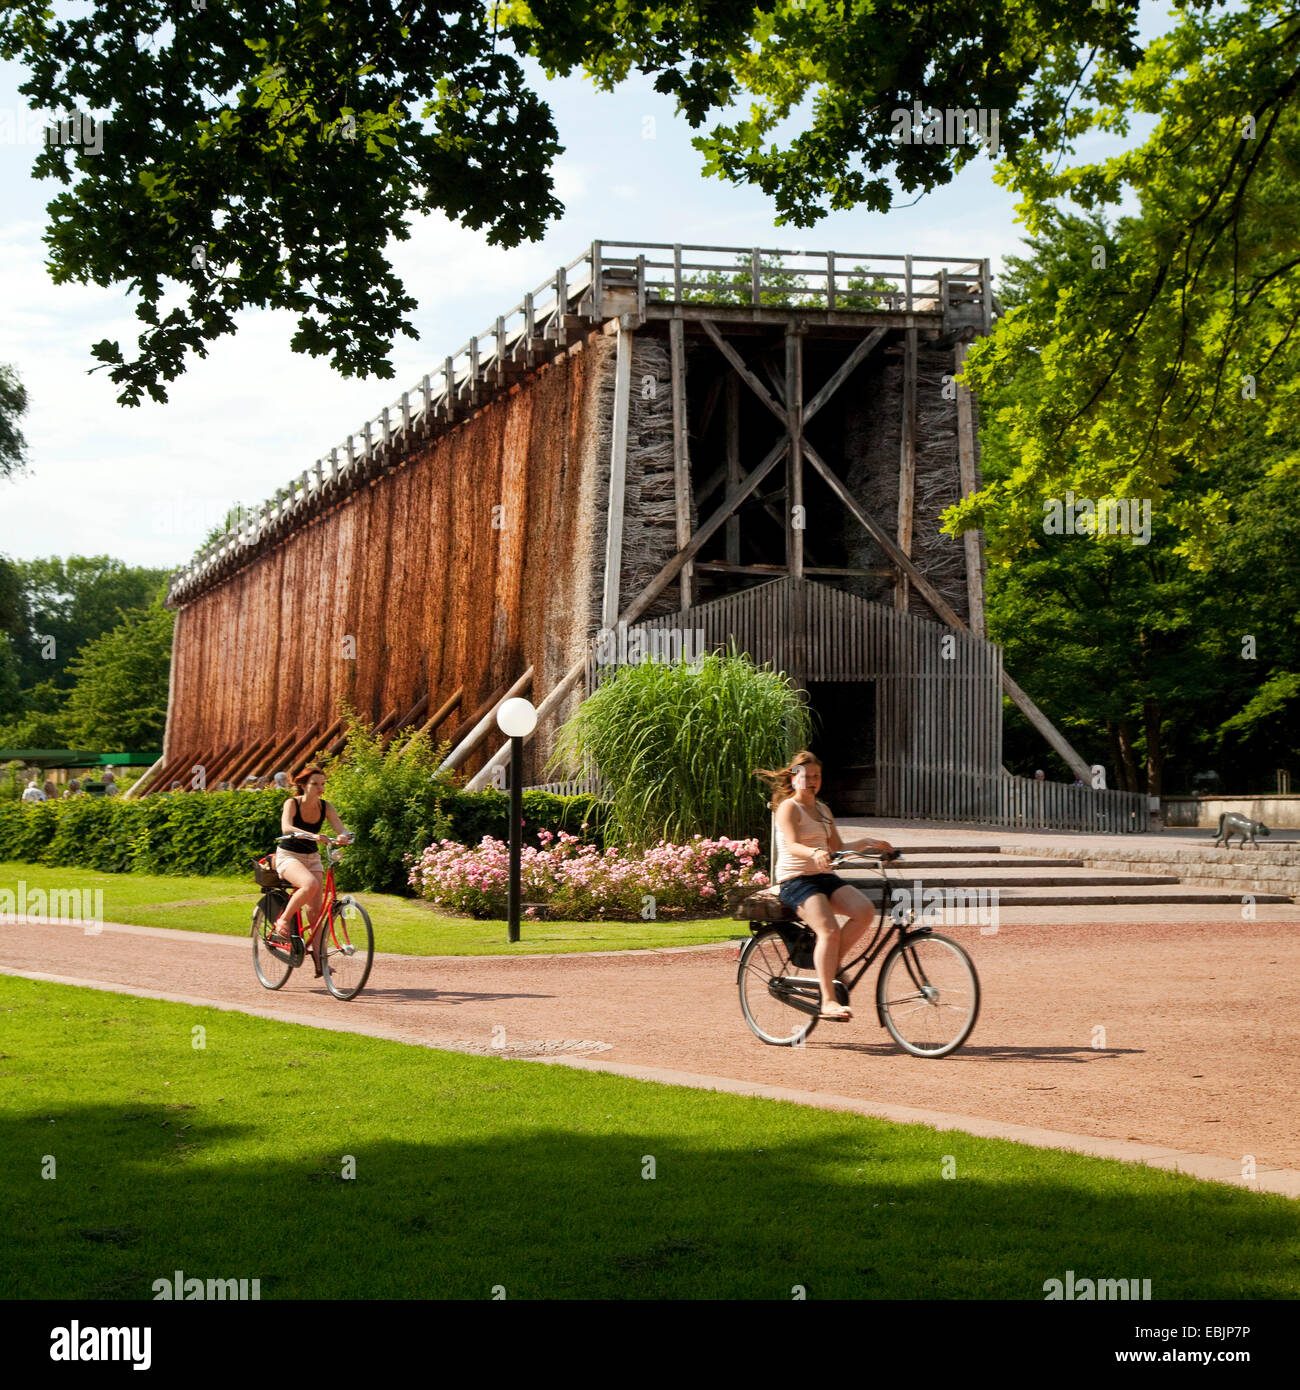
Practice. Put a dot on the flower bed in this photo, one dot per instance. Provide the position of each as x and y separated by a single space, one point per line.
577 882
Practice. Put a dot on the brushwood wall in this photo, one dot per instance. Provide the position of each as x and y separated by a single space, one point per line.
478 556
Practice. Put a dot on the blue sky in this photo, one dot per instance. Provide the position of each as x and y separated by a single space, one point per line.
146 484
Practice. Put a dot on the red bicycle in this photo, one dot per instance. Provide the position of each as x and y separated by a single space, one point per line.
339 937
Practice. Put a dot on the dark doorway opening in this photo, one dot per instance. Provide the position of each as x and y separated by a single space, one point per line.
844 738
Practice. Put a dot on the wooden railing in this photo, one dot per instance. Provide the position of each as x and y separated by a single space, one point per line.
608 279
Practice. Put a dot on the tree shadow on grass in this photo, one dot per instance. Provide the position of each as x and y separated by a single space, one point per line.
844 1206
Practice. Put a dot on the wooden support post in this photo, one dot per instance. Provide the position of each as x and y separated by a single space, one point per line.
906 463
944 612
794 508
484 726
830 279
561 307
617 479
597 283
426 395
473 371
733 464
449 377
755 278
681 452
970 483
842 373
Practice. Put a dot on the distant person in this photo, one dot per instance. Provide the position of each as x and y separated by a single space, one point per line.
249 783
281 779
50 790
1040 776
73 787
110 784
33 793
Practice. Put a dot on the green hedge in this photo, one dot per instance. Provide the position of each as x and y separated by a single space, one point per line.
219 832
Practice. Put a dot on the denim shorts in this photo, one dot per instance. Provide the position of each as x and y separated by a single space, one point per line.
794 892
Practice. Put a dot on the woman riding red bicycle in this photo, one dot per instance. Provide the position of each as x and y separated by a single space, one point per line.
298 861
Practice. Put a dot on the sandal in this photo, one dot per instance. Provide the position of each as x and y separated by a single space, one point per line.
279 935
841 1015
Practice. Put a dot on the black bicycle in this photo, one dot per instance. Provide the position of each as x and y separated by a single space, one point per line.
927 991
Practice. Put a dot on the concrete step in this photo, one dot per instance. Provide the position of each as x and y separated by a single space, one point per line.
931 862
1100 896
1083 878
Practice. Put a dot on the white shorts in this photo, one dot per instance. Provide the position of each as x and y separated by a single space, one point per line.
287 856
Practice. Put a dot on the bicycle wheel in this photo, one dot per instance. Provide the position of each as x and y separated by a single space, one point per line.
928 994
779 999
347 949
272 964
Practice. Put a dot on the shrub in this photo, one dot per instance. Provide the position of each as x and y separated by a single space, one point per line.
677 744
580 883
393 799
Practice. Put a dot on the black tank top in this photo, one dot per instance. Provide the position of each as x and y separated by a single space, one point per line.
304 846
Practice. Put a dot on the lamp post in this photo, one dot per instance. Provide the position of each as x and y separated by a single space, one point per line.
516 719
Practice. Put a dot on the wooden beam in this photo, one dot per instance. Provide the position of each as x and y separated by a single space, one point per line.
731 466
969 484
484 726
681 453
617 479
646 597
907 463
743 371
794 509
844 371
937 602
812 571
443 710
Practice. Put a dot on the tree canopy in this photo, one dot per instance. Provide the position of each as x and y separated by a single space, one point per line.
259 155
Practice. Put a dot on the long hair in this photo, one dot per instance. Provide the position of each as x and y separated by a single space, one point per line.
300 781
781 779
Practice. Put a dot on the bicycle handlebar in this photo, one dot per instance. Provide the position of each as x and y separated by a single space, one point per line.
876 856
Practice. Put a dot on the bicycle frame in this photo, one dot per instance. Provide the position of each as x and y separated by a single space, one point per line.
883 935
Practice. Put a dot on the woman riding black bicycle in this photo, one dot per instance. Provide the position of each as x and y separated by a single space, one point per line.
806 837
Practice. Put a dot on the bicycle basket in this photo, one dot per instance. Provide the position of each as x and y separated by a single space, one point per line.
264 873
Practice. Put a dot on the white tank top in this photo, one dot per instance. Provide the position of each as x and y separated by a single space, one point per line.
812 831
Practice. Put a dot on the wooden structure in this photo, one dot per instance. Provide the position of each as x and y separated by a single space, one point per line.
752 441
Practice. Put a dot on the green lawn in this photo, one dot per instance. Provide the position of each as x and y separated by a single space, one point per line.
477 1173
403 925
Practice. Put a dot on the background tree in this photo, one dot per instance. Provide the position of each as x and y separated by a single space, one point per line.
13 405
119 699
1160 660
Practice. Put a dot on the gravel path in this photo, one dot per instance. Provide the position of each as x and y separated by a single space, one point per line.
1201 1021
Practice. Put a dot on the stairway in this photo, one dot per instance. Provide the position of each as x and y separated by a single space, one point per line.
1031 877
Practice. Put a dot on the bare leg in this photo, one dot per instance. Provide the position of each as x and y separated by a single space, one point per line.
816 911
306 890
859 909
